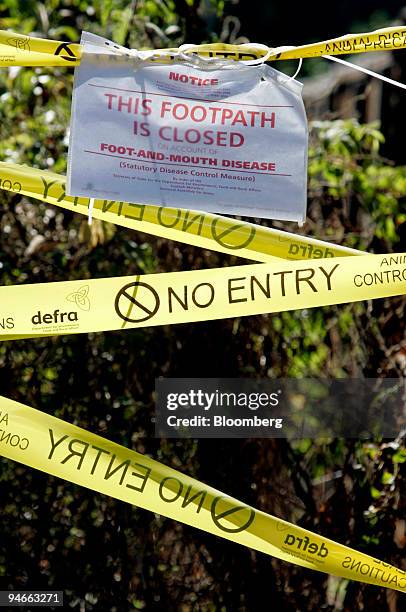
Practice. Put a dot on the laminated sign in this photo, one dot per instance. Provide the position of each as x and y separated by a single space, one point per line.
228 139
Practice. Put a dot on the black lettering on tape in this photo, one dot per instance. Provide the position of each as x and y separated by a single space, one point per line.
175 490
47 186
202 303
231 288
169 211
191 498
143 477
8 185
66 52
200 297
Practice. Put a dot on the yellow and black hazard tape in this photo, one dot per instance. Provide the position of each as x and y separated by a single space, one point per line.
331 277
200 295
64 450
58 448
201 229
20 50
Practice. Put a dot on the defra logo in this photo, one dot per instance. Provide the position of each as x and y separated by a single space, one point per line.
306 545
54 317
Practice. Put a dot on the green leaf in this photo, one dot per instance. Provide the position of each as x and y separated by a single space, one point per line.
387 478
399 456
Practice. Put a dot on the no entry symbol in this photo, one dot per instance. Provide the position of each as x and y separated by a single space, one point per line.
136 302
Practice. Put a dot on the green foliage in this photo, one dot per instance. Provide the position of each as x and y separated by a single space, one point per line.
345 165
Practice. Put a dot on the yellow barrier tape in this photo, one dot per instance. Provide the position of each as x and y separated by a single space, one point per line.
200 229
200 295
20 50
58 448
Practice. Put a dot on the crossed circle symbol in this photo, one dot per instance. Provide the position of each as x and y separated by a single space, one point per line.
139 296
245 515
221 235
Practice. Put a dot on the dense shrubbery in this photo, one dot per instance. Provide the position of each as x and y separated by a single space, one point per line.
112 555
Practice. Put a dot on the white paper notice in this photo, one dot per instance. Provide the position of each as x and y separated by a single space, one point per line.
227 140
